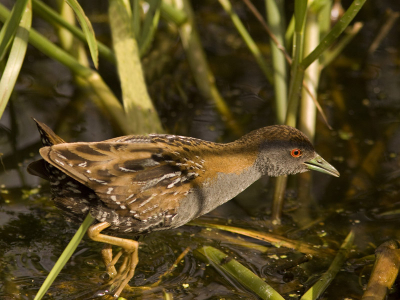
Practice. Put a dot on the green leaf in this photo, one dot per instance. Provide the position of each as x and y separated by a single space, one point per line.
65 256
137 103
87 29
150 25
17 55
171 14
10 26
332 36
54 18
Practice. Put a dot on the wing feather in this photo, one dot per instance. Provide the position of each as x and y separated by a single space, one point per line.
134 177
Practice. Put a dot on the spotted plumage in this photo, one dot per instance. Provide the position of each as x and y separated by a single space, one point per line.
141 184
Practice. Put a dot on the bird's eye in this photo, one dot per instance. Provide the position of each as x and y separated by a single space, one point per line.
296 153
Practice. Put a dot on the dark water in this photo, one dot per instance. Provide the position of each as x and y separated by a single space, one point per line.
360 93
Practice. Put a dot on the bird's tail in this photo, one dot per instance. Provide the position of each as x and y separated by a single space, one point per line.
49 138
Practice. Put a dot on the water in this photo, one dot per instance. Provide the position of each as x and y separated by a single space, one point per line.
359 94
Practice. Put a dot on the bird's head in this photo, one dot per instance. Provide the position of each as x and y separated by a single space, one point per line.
284 150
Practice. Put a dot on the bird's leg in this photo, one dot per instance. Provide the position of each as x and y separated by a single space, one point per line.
131 248
106 253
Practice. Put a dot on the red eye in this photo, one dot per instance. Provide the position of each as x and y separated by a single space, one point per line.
296 153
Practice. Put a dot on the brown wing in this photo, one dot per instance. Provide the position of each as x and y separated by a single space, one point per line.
138 178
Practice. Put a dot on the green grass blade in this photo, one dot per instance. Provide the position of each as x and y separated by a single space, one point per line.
150 25
16 58
136 18
331 54
137 103
262 63
51 16
10 26
65 256
275 17
240 273
108 100
296 81
172 14
289 33
279 198
201 71
295 85
87 29
337 30
308 112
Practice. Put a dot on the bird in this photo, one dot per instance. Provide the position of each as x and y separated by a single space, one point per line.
143 183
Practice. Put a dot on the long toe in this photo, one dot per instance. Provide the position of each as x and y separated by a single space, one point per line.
130 271
108 260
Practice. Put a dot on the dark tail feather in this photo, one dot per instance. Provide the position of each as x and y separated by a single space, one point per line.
49 138
38 168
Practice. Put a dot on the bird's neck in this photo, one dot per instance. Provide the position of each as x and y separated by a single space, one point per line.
228 170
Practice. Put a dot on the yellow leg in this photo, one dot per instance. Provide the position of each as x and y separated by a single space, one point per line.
107 255
131 247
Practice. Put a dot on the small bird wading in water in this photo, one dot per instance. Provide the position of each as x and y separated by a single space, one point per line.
139 184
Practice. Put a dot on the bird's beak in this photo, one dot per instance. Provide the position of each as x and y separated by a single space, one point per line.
321 165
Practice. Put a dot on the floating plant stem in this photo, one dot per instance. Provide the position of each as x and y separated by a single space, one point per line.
223 263
320 286
384 273
274 239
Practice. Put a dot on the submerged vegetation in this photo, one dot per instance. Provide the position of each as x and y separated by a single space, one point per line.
214 70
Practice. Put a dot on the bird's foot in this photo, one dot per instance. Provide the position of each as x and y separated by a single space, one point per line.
125 272
131 259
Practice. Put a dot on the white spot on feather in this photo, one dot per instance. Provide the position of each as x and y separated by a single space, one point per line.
148 200
59 162
133 200
126 170
61 156
171 185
